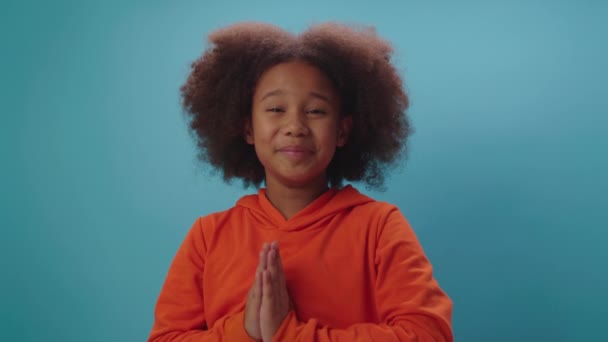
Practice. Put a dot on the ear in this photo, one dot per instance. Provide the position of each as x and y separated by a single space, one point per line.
346 124
248 131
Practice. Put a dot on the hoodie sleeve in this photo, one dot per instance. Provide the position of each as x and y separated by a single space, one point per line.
410 304
179 313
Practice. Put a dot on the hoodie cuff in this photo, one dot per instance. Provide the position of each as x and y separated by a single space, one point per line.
235 329
288 329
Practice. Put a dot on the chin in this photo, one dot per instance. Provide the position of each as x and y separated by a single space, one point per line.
300 181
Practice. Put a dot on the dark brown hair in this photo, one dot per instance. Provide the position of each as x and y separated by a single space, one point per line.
218 95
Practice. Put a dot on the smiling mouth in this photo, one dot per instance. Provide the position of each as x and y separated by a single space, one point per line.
295 152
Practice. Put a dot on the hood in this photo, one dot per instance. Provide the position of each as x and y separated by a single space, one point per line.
328 204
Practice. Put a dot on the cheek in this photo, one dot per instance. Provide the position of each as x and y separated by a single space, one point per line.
263 135
263 129
330 135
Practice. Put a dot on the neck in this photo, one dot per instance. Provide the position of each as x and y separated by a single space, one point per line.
289 200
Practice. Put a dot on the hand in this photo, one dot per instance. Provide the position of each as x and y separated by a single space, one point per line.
275 298
254 298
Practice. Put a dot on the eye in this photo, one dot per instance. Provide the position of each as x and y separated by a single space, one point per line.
316 111
275 110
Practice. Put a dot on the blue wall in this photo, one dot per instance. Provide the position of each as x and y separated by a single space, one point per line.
505 185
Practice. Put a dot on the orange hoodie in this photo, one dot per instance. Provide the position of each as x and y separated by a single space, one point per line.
353 266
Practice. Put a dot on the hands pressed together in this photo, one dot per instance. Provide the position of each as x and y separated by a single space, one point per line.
268 301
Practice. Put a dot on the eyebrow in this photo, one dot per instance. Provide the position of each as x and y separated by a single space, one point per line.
278 92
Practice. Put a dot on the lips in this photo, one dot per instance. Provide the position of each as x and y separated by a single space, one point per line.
295 149
295 152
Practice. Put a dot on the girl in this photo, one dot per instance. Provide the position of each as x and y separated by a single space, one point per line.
304 259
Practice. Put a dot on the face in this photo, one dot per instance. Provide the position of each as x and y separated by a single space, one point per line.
296 124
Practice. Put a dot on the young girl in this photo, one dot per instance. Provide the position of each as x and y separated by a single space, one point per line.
304 259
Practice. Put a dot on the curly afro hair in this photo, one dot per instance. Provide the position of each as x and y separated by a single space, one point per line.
217 96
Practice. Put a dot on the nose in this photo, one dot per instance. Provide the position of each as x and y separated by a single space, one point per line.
295 125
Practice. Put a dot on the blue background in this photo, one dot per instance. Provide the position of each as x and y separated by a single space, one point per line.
505 185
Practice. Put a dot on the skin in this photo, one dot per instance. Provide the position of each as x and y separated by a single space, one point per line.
268 301
296 125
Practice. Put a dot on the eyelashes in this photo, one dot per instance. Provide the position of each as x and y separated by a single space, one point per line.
315 111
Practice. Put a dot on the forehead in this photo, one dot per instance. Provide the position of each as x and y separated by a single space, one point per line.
294 77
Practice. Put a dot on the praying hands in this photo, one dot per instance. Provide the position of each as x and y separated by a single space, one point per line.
268 301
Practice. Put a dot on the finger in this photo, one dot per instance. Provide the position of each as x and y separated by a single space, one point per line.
281 283
257 283
267 287
263 258
254 301
276 276
271 262
276 256
279 266
257 286
254 285
272 269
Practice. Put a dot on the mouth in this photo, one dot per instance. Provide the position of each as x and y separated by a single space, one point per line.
294 149
295 152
